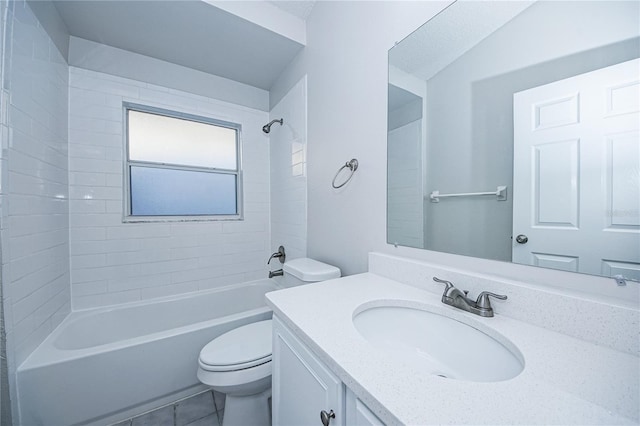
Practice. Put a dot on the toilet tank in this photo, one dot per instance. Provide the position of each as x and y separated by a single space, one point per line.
305 270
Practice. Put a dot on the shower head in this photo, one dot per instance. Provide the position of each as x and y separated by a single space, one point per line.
267 127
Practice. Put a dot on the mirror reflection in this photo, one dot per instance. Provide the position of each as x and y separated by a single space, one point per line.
513 135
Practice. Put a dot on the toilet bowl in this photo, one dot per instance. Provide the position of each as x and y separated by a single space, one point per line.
238 363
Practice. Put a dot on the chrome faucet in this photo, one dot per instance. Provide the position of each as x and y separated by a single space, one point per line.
458 299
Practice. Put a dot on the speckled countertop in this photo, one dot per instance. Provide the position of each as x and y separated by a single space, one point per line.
565 380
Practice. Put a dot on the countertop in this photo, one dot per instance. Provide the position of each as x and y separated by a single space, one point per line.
565 380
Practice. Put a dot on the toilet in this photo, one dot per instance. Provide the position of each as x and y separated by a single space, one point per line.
238 363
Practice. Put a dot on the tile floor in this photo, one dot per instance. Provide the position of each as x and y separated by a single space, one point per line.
203 409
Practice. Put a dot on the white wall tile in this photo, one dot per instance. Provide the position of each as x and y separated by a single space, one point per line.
90 288
34 224
88 206
139 282
24 286
34 176
147 260
89 165
168 290
89 261
89 137
288 176
87 179
104 299
88 234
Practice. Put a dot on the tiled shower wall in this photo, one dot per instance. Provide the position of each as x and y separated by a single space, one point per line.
34 186
5 399
114 262
288 173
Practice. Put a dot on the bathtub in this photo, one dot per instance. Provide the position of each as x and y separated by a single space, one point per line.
107 364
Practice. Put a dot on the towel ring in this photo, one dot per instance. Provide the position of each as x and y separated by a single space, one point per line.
351 165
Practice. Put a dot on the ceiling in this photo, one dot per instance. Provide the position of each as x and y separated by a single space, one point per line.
450 34
191 33
301 9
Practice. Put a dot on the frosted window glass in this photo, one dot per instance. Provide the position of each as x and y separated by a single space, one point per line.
168 140
170 192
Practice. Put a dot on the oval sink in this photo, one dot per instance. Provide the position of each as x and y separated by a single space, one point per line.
437 344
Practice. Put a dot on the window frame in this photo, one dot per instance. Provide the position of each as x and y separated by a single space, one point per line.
128 163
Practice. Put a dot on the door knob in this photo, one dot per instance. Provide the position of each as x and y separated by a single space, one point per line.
326 417
522 239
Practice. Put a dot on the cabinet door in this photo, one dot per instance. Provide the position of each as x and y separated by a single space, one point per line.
302 385
358 414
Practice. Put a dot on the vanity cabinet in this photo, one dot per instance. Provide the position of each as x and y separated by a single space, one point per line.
303 386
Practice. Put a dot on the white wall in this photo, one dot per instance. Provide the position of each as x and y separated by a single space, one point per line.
288 145
114 262
347 89
33 192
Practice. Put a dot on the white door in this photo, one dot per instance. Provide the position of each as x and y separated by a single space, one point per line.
577 173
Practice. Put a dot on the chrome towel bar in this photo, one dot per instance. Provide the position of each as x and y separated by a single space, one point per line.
500 194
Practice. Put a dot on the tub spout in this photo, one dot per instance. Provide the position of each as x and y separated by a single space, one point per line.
277 273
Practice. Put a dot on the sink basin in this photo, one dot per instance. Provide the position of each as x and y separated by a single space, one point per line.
438 345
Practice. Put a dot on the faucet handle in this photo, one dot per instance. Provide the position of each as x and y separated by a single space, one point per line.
279 254
448 284
483 299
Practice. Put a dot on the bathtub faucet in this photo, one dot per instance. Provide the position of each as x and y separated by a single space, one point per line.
279 255
277 273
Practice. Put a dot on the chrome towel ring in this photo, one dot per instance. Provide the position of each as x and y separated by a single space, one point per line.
351 165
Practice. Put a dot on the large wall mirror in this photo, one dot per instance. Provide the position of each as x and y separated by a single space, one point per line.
513 135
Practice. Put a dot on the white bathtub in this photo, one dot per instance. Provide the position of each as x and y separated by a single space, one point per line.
102 365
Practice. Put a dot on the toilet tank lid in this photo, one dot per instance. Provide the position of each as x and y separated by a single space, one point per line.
310 270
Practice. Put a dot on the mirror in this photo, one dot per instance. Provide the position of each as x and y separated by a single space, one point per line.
513 135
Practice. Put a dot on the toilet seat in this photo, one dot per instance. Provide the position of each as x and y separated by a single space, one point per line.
234 367
241 348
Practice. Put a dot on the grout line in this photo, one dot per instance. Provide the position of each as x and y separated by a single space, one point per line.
213 395
175 415
174 405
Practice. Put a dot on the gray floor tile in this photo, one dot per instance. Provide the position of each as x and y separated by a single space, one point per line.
211 420
123 423
194 408
160 417
219 398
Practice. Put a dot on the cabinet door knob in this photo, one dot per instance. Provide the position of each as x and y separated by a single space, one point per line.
326 417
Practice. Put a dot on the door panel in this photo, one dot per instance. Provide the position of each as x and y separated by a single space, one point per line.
555 198
623 195
577 173
612 268
548 260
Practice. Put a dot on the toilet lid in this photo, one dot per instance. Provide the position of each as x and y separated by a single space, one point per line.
242 347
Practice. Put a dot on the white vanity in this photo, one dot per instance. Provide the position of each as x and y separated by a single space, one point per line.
588 373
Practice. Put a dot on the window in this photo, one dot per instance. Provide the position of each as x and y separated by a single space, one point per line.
180 165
